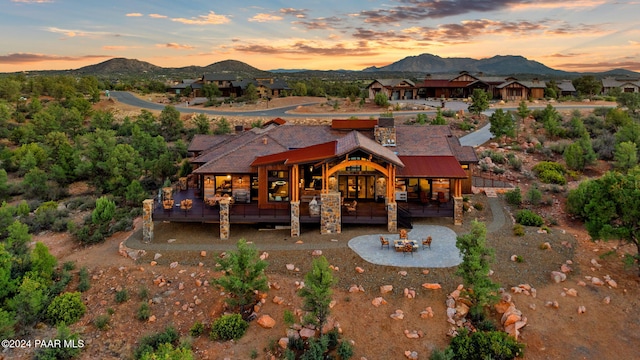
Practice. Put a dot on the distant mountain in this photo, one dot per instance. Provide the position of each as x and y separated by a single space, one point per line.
497 65
120 65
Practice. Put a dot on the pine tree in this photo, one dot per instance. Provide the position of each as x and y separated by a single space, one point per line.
317 292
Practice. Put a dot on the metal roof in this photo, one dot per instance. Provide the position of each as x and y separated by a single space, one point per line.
431 166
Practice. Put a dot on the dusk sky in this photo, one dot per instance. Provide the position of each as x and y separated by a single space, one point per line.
588 35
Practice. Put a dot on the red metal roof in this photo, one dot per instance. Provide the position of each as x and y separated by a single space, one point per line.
431 167
296 156
353 123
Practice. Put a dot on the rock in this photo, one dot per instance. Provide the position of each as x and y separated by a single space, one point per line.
198 282
411 355
264 256
398 315
402 273
290 267
565 268
307 333
427 313
203 253
607 300
181 286
409 293
153 263
157 256
277 300
432 286
411 334
558 276
152 319
359 270
594 262
612 283
571 292
355 288
425 272
597 281
514 258
173 265
385 289
378 301
545 246
582 309
283 342
316 252
266 321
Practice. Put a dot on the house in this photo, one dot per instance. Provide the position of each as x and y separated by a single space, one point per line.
625 84
265 87
460 85
566 88
178 88
304 174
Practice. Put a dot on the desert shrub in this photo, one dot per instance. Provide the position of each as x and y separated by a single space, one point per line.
289 318
448 113
68 265
102 321
478 206
66 308
143 312
84 284
533 195
515 163
345 350
550 172
482 345
143 293
528 218
228 327
122 296
150 343
61 352
518 230
196 329
514 197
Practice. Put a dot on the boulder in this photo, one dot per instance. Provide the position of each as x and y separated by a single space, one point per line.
266 322
306 333
431 286
316 252
277 300
359 270
378 301
283 342
397 315
558 276
385 289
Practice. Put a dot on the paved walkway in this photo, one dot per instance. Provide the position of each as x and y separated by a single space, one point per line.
443 251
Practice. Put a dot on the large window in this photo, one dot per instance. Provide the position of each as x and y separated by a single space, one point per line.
278 185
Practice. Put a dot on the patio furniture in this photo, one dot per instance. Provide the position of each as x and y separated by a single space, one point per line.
167 204
407 248
351 208
399 245
426 242
384 242
186 204
403 234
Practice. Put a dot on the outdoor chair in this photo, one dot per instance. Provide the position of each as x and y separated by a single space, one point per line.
167 204
407 248
426 242
186 204
384 242
351 208
403 234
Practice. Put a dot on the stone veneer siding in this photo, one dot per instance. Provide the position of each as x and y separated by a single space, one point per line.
147 220
457 210
330 214
392 217
386 136
225 226
295 218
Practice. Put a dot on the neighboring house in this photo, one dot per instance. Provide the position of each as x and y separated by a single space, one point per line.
566 88
230 86
265 87
460 85
296 174
626 84
394 89
179 88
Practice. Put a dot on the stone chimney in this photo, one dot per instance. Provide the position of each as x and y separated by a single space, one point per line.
385 132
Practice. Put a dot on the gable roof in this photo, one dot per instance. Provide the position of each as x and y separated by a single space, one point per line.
431 166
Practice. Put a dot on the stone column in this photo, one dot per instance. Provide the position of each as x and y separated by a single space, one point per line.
147 220
225 226
457 210
392 217
167 193
295 218
182 182
330 214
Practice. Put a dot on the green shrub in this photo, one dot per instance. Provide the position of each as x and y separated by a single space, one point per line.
482 345
514 197
84 284
143 293
550 172
61 352
144 312
66 308
102 321
478 206
228 327
533 195
345 350
150 343
69 265
122 296
196 329
289 318
528 218
518 230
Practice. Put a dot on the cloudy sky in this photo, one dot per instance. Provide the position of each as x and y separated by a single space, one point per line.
582 35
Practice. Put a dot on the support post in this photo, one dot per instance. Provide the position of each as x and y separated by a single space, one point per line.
330 213
295 219
225 226
457 210
147 220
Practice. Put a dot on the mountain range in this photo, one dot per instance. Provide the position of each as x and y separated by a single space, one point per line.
412 66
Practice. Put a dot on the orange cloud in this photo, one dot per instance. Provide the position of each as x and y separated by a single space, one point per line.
265 18
134 15
175 46
158 16
210 19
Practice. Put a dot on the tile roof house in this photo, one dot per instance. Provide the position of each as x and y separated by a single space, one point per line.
293 174
626 84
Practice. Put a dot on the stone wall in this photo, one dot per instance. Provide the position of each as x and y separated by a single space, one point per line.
330 214
295 218
458 210
225 226
392 217
385 136
147 220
